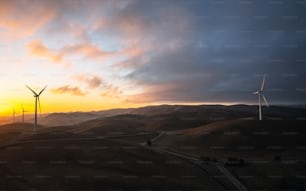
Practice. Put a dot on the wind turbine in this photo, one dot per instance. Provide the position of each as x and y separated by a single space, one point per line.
23 111
14 113
36 96
261 95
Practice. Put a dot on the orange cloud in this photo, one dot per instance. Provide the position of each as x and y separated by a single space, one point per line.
68 89
88 50
17 22
38 49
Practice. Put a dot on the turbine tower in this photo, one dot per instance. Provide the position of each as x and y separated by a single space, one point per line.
36 96
261 95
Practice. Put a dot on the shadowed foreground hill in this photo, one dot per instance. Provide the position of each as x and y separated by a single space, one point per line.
10 132
233 135
100 164
104 152
274 150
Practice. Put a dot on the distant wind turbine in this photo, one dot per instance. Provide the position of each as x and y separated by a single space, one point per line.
23 111
36 96
14 114
261 95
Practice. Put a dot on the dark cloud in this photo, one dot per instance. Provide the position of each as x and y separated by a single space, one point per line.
94 82
223 53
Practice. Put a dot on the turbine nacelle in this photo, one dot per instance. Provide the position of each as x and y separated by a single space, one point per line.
257 92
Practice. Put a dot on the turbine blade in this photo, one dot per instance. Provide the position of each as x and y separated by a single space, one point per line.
31 90
264 98
42 90
263 83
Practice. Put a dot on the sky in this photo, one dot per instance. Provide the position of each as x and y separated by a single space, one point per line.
102 54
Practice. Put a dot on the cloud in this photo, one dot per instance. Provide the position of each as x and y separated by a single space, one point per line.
88 50
95 82
135 56
68 89
112 91
219 58
151 94
194 51
91 81
37 48
18 20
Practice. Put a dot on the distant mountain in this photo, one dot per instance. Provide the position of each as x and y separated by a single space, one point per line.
178 114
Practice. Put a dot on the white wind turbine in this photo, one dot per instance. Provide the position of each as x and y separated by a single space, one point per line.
261 95
36 95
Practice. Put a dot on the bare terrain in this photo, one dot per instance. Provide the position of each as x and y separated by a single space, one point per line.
157 148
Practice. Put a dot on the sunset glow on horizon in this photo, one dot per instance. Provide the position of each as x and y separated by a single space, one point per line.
103 54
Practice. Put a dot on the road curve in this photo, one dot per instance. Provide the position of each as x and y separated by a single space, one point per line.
239 186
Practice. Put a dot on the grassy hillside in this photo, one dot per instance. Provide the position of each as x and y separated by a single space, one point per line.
234 135
274 150
11 132
177 112
90 165
86 153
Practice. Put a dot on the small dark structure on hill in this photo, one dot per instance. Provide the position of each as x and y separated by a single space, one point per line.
149 143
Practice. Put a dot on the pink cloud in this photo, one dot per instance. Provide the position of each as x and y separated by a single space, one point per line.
68 89
18 22
91 80
37 48
88 50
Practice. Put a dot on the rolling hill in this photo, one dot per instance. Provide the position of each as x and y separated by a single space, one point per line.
177 112
274 150
96 164
105 149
